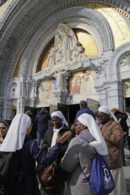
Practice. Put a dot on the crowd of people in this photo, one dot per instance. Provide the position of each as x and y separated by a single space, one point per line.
106 132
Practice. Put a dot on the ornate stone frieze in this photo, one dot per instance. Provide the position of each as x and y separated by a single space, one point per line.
66 50
63 56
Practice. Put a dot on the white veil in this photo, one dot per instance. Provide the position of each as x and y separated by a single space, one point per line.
16 133
99 143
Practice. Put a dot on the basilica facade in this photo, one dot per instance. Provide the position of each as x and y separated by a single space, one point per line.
54 53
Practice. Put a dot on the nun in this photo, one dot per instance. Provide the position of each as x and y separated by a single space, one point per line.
59 127
4 126
17 140
77 158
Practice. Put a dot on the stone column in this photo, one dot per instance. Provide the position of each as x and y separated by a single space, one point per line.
61 91
111 94
22 97
33 93
115 94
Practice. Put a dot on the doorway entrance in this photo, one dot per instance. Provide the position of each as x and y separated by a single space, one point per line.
72 110
69 112
127 102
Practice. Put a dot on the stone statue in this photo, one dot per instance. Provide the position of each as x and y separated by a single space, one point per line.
66 47
51 57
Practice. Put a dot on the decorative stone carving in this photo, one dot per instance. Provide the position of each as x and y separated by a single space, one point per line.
66 48
51 57
124 67
125 60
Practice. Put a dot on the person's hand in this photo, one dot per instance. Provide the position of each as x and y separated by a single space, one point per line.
62 138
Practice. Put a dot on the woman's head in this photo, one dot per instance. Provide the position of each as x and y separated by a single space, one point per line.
19 128
4 126
58 119
104 115
56 122
84 121
78 126
88 122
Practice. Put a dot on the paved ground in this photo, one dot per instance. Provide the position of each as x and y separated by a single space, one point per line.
127 170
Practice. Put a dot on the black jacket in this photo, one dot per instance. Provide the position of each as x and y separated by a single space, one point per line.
41 121
121 117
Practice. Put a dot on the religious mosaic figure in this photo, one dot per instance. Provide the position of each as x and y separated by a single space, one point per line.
77 85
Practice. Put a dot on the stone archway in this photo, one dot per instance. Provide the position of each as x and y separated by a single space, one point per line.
23 39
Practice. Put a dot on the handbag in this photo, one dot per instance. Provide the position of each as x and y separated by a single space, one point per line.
48 177
101 180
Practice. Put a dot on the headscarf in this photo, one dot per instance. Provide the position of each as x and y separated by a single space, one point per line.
6 122
106 110
99 142
16 133
61 116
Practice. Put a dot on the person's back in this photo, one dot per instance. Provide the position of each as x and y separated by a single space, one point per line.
122 117
41 120
41 123
84 109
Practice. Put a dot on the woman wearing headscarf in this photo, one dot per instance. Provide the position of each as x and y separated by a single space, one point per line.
28 151
59 127
77 158
113 135
4 126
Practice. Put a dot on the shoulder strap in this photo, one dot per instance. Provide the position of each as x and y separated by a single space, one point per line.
89 154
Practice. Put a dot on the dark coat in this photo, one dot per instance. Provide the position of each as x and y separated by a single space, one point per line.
28 184
122 117
41 121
